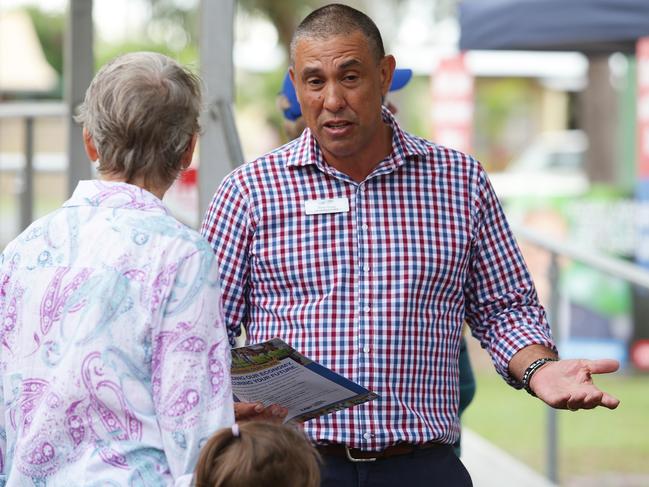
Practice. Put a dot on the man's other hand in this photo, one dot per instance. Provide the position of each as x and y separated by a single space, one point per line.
568 384
255 411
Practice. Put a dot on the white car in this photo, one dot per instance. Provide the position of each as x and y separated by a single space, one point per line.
552 166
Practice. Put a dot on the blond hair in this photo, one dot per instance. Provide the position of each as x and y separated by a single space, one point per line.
260 454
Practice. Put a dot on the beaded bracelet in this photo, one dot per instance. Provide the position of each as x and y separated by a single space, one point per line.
531 370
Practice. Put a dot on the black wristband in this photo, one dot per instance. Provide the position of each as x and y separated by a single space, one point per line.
531 370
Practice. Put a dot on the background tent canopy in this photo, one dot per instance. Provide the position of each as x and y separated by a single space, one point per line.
590 26
23 67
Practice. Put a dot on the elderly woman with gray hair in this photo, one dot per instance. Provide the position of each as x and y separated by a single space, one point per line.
113 352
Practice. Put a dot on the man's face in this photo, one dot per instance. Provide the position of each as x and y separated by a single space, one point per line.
340 85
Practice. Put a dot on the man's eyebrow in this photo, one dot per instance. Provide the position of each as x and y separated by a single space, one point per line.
349 64
310 71
314 71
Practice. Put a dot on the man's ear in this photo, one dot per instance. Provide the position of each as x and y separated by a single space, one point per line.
386 66
291 73
89 145
186 158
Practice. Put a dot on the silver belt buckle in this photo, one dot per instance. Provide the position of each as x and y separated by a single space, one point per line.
357 460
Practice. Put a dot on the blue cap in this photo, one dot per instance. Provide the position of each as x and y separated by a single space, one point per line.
400 79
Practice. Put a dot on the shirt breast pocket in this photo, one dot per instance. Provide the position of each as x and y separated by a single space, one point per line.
296 264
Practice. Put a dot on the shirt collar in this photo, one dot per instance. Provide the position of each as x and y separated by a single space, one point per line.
111 194
305 150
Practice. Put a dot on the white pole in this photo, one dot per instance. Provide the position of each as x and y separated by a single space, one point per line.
219 149
78 63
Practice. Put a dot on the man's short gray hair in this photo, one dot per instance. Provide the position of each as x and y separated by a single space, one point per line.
141 111
335 20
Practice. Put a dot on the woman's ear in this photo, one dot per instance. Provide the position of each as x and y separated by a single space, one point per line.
89 145
186 159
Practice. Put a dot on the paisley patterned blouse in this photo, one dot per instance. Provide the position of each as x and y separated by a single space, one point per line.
114 356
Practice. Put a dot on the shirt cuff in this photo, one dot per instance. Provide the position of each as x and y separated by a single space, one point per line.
512 342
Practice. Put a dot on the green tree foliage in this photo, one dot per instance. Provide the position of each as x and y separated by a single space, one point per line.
285 14
49 29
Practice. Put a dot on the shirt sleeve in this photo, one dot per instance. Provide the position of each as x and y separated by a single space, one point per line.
502 306
3 431
3 437
227 228
4 283
191 385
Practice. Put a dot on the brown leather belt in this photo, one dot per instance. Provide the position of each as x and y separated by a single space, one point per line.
357 455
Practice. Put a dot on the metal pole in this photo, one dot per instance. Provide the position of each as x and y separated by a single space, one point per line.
79 68
552 426
220 149
27 186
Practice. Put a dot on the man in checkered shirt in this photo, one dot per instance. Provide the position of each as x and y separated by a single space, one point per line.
366 248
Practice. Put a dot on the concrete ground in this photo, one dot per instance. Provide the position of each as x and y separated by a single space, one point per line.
490 466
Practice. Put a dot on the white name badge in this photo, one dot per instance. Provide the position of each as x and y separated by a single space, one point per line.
330 205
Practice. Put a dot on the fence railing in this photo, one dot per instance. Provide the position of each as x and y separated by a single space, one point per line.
29 112
611 266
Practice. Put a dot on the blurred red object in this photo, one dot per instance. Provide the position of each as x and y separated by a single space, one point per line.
188 177
640 354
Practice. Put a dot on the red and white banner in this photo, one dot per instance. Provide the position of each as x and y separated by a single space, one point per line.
642 54
452 93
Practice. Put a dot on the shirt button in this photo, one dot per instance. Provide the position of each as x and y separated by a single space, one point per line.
365 226
366 349
367 436
366 268
366 309
363 188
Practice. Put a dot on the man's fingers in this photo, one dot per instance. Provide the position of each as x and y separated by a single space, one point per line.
609 401
273 414
603 366
247 410
575 401
590 400
279 411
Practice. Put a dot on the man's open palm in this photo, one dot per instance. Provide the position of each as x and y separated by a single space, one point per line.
568 384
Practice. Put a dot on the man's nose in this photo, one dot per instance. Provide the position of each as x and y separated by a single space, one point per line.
334 99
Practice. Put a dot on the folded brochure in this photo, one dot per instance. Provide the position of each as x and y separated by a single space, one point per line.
273 372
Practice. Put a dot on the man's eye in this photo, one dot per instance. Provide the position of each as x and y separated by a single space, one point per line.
351 77
314 82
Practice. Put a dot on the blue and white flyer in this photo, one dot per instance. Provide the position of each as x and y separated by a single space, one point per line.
273 372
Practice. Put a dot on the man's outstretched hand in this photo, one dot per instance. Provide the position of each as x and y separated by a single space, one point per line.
568 384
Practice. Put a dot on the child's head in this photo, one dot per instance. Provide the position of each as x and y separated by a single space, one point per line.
258 454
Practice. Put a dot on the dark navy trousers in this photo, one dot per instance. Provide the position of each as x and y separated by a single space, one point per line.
430 467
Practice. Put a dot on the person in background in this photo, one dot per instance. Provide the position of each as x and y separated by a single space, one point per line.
114 356
259 454
366 248
467 388
294 125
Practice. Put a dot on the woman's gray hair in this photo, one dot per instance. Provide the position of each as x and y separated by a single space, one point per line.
141 111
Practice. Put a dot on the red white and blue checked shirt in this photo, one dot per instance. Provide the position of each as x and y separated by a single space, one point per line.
378 293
